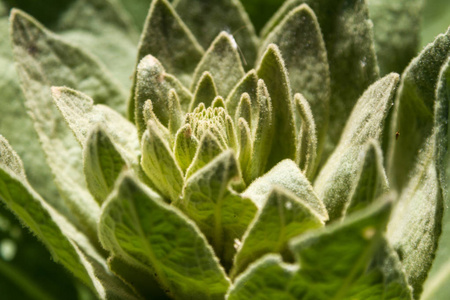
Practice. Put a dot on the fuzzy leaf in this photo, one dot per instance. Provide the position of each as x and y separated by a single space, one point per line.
319 278
82 115
167 38
340 174
248 85
207 19
159 163
300 41
175 114
307 138
244 109
221 214
415 224
153 83
223 62
102 164
282 217
287 175
38 54
207 150
186 145
245 148
413 114
205 91
66 244
372 182
436 286
347 32
137 226
272 70
396 32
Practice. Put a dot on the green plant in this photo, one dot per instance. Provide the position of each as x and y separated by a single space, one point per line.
251 170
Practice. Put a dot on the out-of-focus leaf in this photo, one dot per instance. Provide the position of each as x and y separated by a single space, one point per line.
415 224
272 70
207 19
221 214
282 217
435 16
413 114
137 226
340 175
396 31
301 43
347 32
287 175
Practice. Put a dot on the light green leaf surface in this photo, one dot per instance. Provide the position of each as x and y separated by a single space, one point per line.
348 37
372 182
396 26
415 224
207 19
413 114
110 36
138 10
436 286
282 217
245 149
244 110
159 163
168 39
186 145
307 137
102 164
221 214
301 43
66 244
248 84
287 175
204 92
153 83
318 274
272 70
38 54
137 226
340 174
175 114
223 62
207 150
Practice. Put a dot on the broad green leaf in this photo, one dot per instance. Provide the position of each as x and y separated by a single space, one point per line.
159 163
102 164
137 226
339 176
282 217
208 148
82 115
318 274
347 32
307 137
413 114
248 85
301 43
140 280
436 286
263 132
186 145
245 149
153 83
223 62
415 224
207 19
205 91
372 182
287 175
44 60
66 244
272 70
220 213
167 39
396 31
101 35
